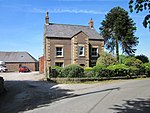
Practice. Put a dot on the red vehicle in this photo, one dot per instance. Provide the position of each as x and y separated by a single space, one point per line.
24 69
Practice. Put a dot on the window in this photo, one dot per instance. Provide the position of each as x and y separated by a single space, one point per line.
94 52
81 50
59 51
60 64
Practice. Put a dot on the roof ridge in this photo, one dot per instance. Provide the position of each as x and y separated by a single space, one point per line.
68 24
13 51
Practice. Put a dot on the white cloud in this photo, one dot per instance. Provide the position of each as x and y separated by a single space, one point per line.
77 11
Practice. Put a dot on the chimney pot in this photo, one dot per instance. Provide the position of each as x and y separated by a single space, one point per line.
91 23
47 18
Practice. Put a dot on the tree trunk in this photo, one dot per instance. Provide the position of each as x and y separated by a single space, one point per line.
117 49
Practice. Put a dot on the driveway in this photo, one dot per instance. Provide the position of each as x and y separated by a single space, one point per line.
27 91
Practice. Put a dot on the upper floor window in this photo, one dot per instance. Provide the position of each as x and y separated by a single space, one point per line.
81 50
59 51
94 52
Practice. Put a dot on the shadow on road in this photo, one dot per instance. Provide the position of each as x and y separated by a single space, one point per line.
27 95
138 105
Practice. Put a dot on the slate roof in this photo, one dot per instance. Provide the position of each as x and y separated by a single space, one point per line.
16 57
68 31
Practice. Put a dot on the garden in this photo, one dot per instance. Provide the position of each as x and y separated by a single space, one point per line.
107 68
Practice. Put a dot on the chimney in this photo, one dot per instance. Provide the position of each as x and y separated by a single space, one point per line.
47 18
91 23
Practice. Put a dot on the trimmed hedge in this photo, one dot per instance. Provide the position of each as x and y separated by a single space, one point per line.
73 71
99 71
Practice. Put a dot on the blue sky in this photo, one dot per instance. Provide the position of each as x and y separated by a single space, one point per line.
22 21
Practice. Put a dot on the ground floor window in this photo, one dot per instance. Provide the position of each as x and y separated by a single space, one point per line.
93 63
60 64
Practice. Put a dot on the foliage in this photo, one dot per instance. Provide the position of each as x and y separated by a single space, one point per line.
58 71
87 69
118 28
139 6
106 59
73 71
119 69
147 68
143 58
132 61
121 59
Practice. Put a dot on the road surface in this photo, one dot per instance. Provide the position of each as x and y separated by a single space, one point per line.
27 93
132 96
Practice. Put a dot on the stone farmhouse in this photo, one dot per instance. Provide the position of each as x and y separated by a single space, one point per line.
71 44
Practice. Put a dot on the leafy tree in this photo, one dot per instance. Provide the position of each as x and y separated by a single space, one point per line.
139 6
143 58
106 59
132 61
118 28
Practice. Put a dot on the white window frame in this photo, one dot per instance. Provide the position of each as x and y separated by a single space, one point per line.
94 51
80 50
62 53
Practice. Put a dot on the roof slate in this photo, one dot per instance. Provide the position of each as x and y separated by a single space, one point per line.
68 31
16 57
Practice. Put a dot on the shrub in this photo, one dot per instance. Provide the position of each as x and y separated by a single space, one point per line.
58 71
96 70
132 61
133 71
106 59
143 58
73 71
147 68
104 72
88 69
118 70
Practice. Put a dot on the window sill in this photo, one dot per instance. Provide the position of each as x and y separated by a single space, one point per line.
81 55
59 56
95 56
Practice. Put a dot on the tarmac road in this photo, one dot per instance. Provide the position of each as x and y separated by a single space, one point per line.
27 93
131 96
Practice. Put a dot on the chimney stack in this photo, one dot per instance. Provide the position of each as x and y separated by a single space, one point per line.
47 18
91 23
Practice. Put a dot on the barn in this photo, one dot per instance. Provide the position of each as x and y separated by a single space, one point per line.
14 60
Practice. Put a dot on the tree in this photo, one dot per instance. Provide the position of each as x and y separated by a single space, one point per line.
143 58
118 29
139 6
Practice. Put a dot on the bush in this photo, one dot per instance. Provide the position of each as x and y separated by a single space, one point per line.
104 72
118 70
96 70
88 69
133 71
58 71
73 71
147 68
106 59
132 61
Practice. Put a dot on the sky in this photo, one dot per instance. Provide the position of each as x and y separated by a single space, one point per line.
22 21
